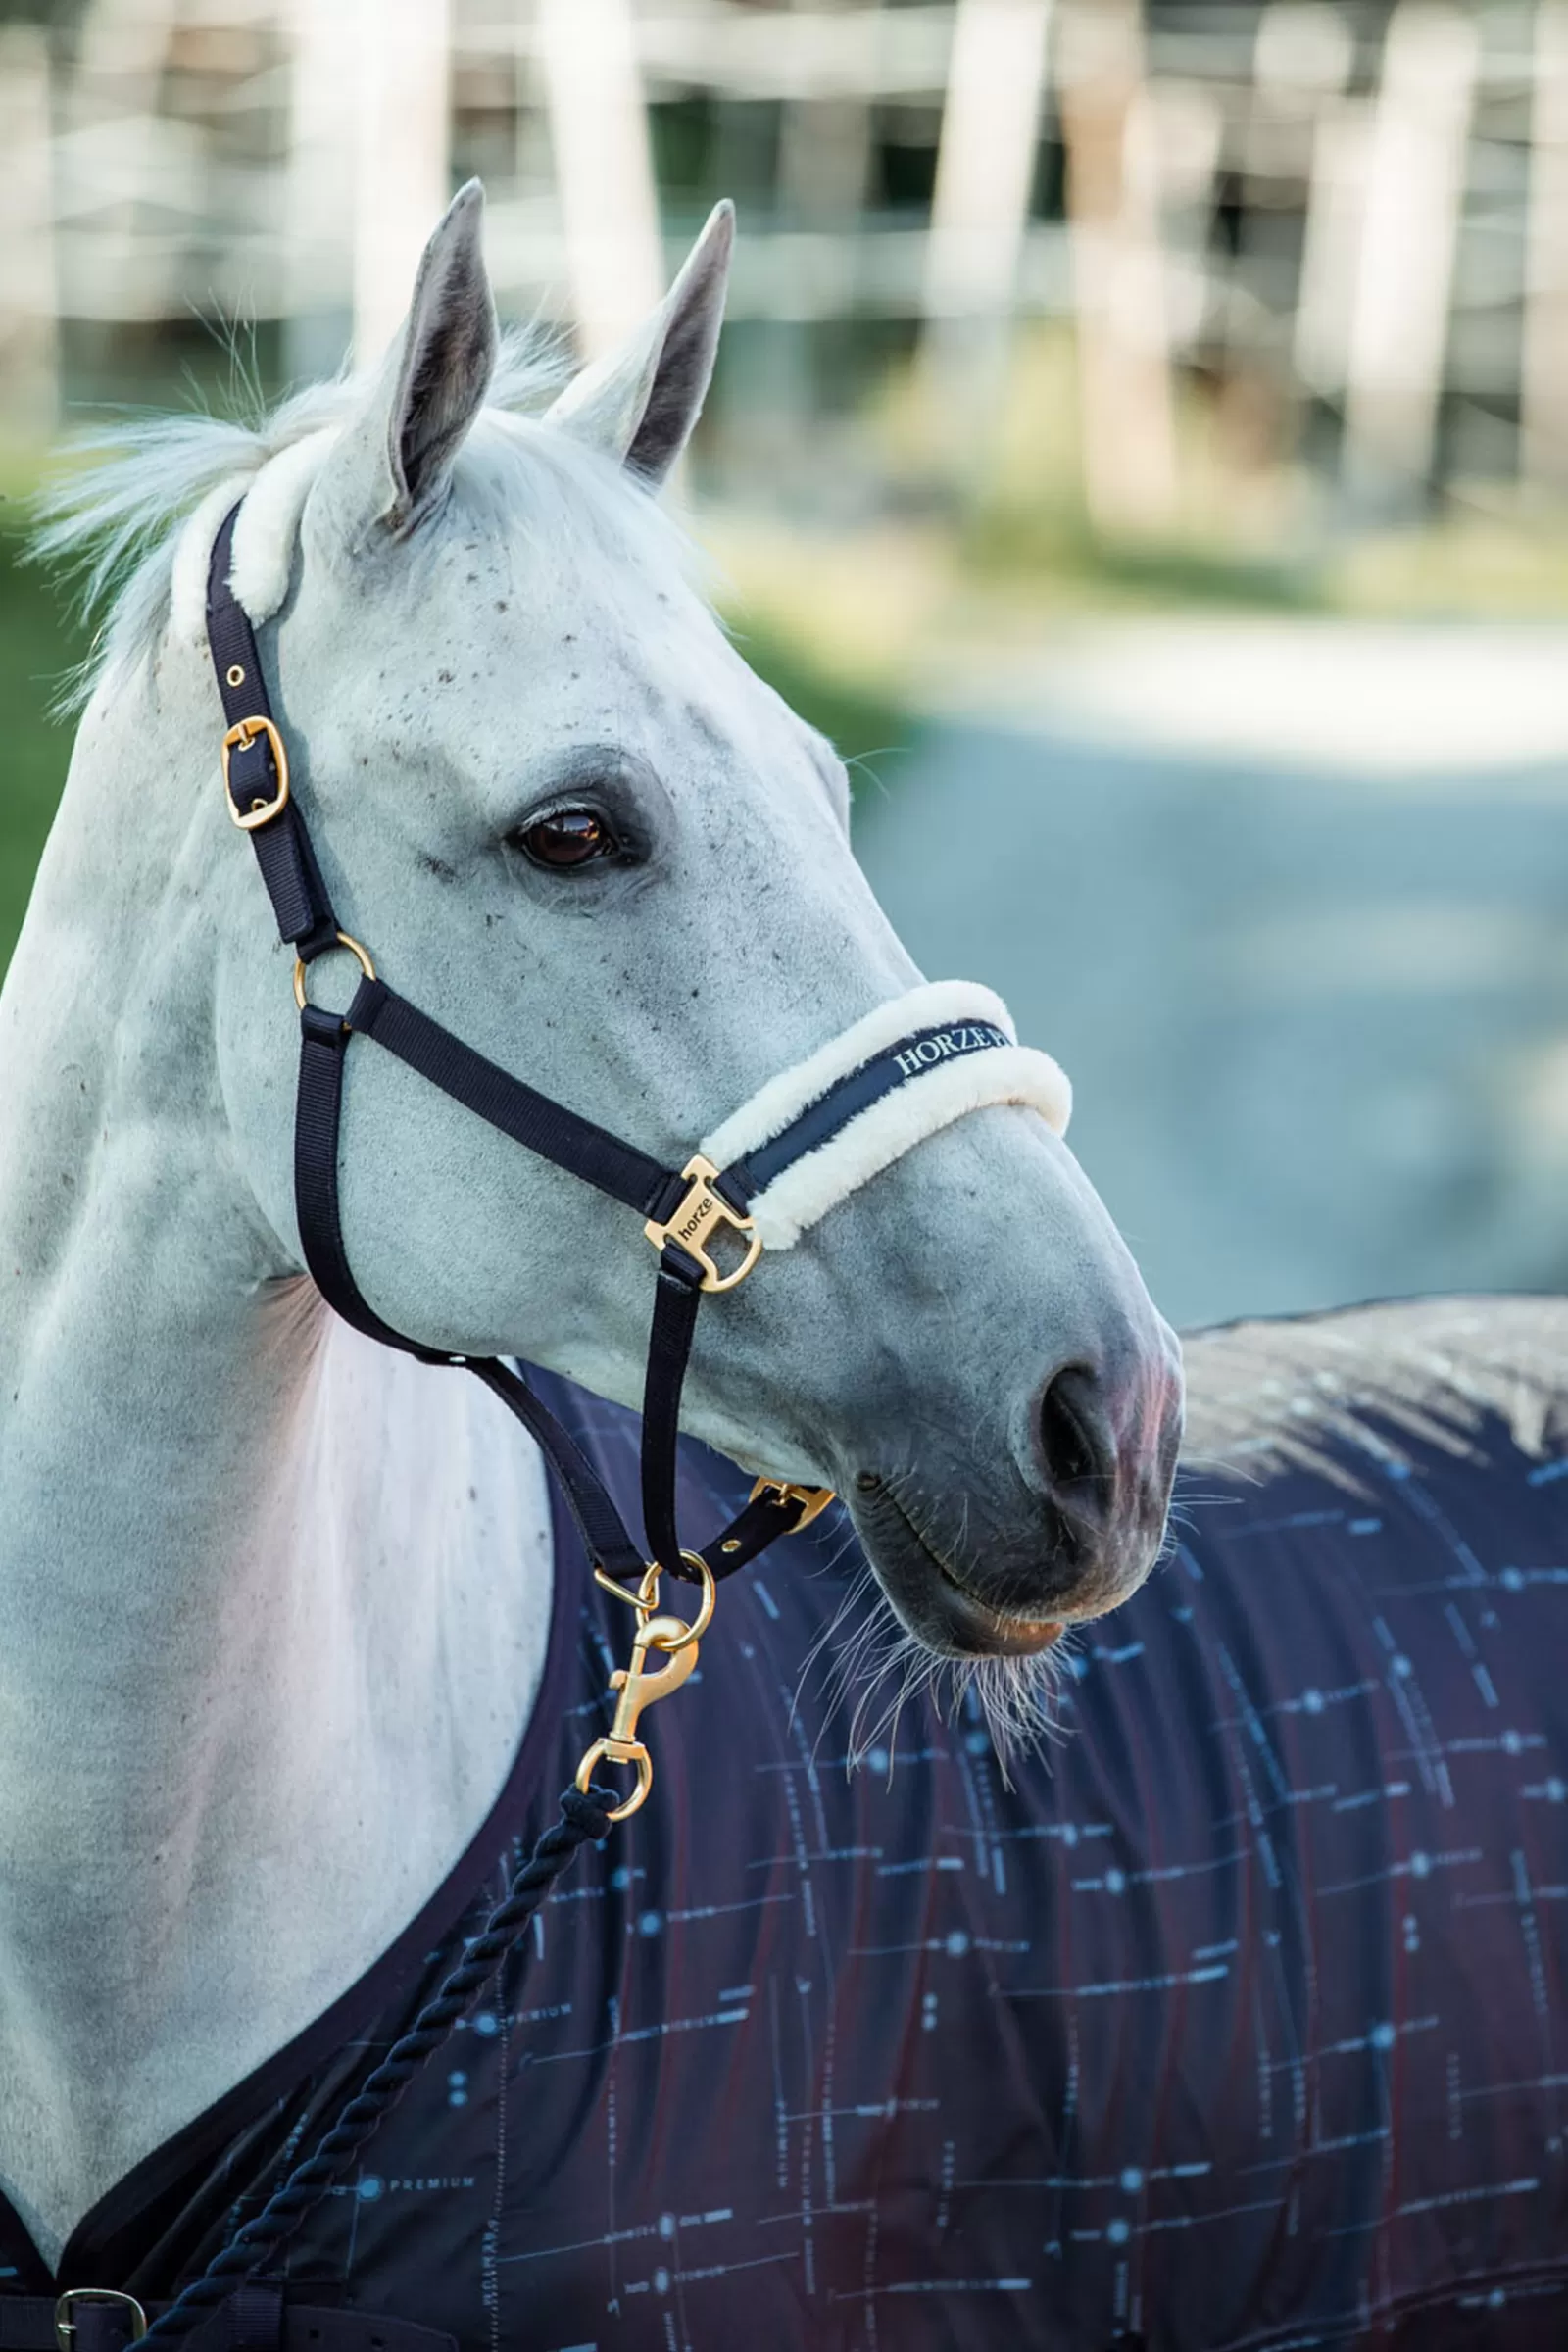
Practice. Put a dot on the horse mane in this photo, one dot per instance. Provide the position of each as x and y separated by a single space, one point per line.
112 518
1317 1392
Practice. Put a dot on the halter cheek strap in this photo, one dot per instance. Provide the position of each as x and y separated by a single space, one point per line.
804 1143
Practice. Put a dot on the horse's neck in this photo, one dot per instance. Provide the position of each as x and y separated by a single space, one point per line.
274 1602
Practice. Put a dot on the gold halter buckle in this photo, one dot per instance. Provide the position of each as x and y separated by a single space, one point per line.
702 1211
812 1500
238 739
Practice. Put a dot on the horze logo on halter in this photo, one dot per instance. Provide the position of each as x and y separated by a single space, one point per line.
946 1043
705 1208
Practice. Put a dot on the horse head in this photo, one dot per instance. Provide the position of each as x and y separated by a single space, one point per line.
551 797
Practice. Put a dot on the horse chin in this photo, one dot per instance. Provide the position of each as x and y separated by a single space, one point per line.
931 1601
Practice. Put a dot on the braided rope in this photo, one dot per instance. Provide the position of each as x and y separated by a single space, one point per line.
584 1820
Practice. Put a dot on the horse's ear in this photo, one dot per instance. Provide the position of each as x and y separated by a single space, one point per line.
392 465
639 404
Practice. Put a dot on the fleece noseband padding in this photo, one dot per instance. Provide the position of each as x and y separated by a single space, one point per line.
817 1132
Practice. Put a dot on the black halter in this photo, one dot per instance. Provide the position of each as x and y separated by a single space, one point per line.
682 1212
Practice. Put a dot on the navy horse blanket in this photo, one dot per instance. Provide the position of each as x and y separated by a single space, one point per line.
1237 2020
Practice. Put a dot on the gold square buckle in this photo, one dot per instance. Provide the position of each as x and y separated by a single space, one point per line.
238 739
813 1500
701 1213
66 2325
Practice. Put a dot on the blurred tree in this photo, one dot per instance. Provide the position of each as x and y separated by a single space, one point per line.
40 12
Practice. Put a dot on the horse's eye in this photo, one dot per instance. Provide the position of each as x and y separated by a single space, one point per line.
569 837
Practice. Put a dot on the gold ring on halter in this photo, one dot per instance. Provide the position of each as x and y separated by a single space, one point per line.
704 1617
360 956
645 1600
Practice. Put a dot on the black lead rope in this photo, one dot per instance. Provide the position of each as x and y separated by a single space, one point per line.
585 1820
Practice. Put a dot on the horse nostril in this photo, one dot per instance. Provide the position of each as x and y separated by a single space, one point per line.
1077 1444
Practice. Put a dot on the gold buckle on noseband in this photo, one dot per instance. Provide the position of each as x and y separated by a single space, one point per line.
238 739
66 2325
701 1213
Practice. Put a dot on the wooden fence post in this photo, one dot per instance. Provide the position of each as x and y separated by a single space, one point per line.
603 166
319 207
1543 362
1305 55
824 153
1414 190
1330 247
121 50
1127 411
980 212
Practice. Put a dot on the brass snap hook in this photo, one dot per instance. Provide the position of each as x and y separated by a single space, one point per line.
641 1685
638 1686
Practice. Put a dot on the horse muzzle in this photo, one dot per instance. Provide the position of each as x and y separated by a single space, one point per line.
1069 1528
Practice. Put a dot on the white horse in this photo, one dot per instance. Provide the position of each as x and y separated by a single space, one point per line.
273 1600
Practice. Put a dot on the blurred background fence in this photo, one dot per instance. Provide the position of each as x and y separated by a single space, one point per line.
1142 437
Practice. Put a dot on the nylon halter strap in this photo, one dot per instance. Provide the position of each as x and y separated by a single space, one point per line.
803 1141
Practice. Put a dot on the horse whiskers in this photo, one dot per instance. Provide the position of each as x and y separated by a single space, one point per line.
881 1667
863 1657
853 1595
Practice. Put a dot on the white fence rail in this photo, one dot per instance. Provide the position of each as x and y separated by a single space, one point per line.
281 159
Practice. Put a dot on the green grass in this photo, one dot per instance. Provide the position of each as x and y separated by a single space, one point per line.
39 645
1029 550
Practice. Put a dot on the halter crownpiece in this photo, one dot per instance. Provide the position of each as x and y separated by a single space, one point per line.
774 1168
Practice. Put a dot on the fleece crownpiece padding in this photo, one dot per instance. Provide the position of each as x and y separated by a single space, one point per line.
265 537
